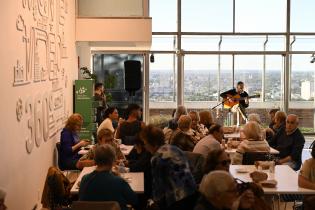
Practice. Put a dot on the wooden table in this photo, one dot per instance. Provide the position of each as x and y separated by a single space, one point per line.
135 180
286 177
125 149
272 151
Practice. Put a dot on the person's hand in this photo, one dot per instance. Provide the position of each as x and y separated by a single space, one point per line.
84 143
121 120
230 99
246 100
247 199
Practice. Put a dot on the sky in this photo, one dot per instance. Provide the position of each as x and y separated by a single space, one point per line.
216 16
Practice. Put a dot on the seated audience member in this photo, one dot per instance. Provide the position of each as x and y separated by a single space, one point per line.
129 130
253 142
184 124
280 118
105 136
219 192
173 186
102 185
206 120
195 127
217 159
272 114
289 141
2 199
210 142
70 142
183 141
111 115
172 124
269 131
139 160
307 172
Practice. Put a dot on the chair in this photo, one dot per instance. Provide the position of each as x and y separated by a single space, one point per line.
196 164
249 158
95 205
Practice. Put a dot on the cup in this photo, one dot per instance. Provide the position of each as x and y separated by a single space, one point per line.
118 141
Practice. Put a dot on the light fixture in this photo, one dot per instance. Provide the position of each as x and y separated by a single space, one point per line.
312 58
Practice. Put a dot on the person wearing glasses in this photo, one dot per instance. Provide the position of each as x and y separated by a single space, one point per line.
70 142
289 141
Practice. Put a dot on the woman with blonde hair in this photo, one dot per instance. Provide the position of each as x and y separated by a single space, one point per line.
253 142
70 142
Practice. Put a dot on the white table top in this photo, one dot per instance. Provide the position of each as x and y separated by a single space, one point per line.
272 151
125 149
286 177
135 180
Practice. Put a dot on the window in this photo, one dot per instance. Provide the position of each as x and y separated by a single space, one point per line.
302 15
206 15
164 15
164 43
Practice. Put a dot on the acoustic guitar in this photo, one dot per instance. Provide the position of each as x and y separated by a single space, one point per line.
236 100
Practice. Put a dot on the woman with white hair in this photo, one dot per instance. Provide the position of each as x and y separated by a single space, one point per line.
253 142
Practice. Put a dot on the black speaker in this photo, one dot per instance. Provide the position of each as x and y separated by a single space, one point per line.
132 75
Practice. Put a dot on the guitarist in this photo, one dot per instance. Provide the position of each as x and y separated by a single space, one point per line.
238 92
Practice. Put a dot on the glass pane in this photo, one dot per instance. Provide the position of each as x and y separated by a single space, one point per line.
306 120
163 78
200 43
302 78
302 15
243 43
303 43
109 69
207 15
163 43
201 78
273 86
164 15
248 69
226 81
260 15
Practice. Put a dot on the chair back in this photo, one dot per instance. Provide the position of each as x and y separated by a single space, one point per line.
196 164
249 158
95 205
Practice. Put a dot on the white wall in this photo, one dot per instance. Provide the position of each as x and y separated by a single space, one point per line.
44 46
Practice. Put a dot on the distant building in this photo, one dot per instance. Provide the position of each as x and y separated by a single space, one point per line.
306 90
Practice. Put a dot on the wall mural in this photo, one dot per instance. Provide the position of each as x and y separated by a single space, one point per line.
43 39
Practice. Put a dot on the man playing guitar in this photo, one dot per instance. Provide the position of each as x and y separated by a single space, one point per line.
236 98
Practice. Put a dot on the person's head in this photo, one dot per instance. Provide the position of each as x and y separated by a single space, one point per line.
104 155
112 113
184 123
152 137
99 88
133 110
240 87
105 136
280 118
181 110
205 117
219 188
254 117
216 131
74 122
252 131
272 114
217 159
2 199
292 123
194 119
